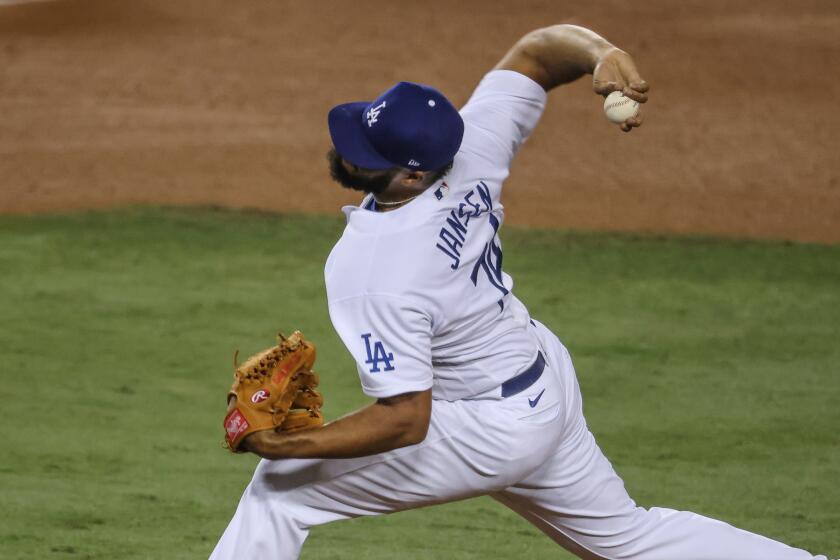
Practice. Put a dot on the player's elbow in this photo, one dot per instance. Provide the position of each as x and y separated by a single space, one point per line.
414 432
410 416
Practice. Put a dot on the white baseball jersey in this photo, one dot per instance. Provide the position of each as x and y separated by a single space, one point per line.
418 294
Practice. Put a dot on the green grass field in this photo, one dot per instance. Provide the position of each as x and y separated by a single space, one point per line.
709 370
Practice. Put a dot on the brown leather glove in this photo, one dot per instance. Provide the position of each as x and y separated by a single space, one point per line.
274 389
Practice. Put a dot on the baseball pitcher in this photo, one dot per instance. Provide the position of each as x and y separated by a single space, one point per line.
472 395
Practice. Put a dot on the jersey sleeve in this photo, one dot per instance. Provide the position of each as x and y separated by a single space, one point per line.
390 340
503 111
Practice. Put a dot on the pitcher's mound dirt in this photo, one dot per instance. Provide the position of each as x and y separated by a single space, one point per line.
202 101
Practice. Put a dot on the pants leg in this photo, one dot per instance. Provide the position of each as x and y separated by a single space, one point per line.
472 448
578 500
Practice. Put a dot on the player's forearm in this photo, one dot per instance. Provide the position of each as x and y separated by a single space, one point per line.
557 55
379 427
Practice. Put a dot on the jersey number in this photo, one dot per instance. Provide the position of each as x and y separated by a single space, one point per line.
490 262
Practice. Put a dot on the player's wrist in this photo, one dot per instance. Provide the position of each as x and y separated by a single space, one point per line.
265 443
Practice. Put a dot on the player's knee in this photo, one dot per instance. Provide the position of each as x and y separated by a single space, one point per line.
618 536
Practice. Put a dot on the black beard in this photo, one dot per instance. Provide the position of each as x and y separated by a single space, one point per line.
360 181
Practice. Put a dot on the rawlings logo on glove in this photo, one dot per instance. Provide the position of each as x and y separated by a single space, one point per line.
274 389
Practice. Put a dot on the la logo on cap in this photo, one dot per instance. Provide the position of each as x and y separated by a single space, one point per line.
373 114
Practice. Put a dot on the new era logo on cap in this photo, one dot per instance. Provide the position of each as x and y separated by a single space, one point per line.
410 125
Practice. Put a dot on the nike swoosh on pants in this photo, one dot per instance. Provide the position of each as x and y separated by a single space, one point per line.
534 402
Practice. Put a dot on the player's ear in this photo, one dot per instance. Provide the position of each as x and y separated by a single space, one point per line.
412 178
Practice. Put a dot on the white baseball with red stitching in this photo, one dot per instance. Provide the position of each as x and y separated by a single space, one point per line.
619 108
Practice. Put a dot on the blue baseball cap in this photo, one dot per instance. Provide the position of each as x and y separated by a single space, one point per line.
411 125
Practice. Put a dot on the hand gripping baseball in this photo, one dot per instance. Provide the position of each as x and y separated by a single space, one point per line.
616 71
274 389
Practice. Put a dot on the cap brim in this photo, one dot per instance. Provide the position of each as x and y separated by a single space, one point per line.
348 136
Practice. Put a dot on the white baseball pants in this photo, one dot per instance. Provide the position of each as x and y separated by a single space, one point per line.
541 462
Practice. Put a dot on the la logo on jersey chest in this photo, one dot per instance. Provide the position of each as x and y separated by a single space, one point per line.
376 355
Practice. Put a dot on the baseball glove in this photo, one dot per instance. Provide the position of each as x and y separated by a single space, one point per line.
274 389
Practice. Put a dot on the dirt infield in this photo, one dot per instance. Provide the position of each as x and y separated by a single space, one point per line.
201 101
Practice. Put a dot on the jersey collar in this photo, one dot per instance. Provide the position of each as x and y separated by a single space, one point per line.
364 218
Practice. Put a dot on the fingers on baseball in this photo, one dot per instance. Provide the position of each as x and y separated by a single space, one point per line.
605 88
632 93
631 123
631 73
635 87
